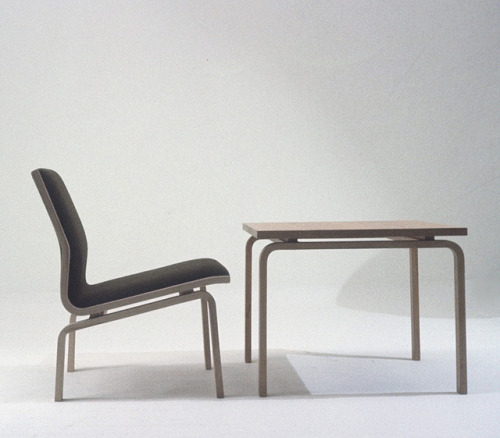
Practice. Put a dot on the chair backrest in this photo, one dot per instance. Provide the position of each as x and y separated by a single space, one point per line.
70 233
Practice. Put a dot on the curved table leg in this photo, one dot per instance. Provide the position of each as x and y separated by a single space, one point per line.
460 331
264 255
460 322
460 326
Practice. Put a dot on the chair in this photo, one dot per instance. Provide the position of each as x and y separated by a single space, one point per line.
140 293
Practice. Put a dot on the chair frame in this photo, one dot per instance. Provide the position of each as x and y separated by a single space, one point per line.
100 314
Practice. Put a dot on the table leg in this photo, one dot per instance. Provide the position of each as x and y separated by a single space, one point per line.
264 255
461 346
248 299
415 311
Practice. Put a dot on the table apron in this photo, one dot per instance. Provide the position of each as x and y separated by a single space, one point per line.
361 244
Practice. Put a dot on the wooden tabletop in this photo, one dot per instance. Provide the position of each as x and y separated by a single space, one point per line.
353 230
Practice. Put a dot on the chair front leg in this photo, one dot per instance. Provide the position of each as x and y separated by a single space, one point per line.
215 346
61 346
206 334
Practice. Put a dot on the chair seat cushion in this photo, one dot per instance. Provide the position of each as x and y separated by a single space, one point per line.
204 271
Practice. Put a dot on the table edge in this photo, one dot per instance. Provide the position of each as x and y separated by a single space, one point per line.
356 234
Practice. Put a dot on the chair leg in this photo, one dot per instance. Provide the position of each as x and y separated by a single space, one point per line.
61 346
71 346
206 334
215 346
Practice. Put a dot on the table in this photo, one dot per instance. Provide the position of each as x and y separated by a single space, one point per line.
412 235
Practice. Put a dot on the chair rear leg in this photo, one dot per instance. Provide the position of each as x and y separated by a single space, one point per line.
215 346
206 338
71 346
61 345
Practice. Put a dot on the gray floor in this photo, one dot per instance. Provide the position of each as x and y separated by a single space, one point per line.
346 372
311 394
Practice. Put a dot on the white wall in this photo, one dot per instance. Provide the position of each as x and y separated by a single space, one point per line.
173 122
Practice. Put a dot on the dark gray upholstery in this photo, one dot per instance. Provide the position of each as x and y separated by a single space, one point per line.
83 295
148 281
73 230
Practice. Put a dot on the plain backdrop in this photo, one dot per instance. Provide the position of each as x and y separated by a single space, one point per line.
173 122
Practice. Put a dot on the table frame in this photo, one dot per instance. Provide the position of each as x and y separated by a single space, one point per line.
410 243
